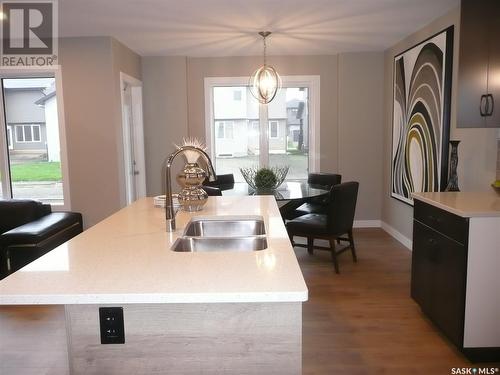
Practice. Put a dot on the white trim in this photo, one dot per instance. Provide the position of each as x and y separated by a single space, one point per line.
24 133
397 235
367 223
10 140
4 153
312 82
137 131
56 72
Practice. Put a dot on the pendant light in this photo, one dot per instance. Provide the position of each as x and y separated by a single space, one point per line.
265 82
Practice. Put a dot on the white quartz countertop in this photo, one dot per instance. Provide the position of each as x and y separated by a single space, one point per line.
465 204
126 258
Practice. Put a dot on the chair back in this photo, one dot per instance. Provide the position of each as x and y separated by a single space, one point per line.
212 191
222 181
324 179
225 179
342 207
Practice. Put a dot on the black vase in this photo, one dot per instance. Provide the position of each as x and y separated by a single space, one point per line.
453 179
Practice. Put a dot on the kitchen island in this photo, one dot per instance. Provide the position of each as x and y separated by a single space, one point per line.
184 312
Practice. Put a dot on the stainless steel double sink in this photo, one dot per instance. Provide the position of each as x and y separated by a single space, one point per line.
223 233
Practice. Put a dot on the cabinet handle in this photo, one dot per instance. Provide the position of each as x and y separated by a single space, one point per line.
490 110
482 104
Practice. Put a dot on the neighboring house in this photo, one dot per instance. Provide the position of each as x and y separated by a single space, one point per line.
31 116
236 115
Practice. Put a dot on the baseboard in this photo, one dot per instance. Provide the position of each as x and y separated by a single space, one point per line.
397 235
367 223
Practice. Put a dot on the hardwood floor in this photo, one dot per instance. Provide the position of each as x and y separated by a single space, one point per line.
361 321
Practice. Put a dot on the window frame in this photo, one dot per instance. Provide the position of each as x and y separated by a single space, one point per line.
54 71
312 82
10 139
277 123
31 126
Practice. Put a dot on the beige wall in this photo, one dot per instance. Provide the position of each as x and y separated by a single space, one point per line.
477 150
127 61
351 140
90 70
361 82
165 114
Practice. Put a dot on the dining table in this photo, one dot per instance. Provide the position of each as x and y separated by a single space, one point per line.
289 195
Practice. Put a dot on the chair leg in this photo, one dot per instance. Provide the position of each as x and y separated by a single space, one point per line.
351 244
310 245
334 255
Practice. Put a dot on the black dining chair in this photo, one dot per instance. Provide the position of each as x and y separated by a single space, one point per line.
316 205
222 181
334 226
212 191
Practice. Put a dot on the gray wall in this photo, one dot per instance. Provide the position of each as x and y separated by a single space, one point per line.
165 114
21 108
174 107
477 150
93 122
360 139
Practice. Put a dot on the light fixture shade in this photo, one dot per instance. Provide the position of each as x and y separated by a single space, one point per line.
265 83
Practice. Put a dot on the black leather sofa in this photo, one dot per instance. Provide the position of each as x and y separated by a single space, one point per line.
29 229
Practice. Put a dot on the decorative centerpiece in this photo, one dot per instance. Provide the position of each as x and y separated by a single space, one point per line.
192 197
265 179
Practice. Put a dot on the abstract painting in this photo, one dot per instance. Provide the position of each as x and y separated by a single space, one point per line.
421 117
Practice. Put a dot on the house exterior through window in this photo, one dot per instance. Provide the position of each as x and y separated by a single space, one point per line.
241 132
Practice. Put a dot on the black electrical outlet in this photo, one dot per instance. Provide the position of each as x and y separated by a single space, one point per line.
112 328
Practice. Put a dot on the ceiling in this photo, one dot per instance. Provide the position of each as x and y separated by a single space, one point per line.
229 27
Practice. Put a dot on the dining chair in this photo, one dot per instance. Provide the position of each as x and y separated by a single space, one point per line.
222 181
334 226
317 205
212 191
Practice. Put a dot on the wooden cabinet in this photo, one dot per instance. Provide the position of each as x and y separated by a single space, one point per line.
439 268
478 98
454 277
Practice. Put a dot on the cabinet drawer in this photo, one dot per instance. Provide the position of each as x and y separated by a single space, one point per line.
449 224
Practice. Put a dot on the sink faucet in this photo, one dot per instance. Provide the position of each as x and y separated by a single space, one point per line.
169 205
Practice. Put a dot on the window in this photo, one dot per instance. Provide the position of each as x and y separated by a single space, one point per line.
225 129
283 132
237 95
32 157
27 133
273 129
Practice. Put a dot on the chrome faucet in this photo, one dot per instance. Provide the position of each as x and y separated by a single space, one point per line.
169 205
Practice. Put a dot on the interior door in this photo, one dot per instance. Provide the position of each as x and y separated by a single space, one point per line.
128 128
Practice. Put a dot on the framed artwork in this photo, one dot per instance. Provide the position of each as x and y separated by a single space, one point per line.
421 116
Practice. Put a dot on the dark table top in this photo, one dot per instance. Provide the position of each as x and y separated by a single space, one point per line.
289 190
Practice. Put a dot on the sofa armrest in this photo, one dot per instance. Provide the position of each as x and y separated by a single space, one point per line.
38 231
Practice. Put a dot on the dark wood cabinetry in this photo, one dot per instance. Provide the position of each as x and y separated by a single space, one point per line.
454 273
478 100
439 268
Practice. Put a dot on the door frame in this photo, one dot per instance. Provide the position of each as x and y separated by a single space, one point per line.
138 141
34 72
